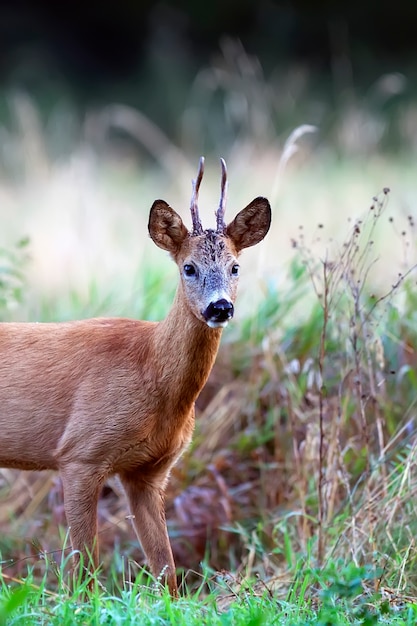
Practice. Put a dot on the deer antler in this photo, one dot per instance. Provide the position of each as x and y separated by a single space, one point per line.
221 226
197 226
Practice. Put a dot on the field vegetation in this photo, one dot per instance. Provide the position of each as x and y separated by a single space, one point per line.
296 502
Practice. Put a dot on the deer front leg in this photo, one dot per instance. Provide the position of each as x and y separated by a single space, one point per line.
146 500
81 493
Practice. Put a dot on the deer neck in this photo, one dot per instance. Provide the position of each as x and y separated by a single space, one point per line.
187 349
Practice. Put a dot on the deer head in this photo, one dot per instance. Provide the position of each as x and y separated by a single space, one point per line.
208 259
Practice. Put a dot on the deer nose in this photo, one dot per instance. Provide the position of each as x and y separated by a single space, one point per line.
219 312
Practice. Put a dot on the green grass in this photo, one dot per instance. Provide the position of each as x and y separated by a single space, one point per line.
342 595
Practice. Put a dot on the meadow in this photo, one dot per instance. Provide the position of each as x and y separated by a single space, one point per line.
296 502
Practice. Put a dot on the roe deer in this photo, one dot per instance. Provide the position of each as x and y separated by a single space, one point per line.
98 397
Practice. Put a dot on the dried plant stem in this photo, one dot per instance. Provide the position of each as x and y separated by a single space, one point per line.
322 395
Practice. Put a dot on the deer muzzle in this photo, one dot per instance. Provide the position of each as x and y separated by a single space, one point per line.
218 313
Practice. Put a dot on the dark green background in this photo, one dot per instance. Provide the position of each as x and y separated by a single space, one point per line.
92 44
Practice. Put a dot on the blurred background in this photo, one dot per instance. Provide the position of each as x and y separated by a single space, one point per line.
106 106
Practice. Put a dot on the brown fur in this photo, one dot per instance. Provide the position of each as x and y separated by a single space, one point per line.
99 397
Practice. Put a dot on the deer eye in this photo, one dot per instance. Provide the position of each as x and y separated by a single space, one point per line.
189 270
235 270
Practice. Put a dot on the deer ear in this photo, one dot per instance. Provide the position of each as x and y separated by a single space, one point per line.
250 225
165 227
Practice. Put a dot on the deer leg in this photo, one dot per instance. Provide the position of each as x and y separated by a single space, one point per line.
81 492
146 501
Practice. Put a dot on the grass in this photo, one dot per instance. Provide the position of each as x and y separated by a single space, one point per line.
304 441
296 502
339 599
